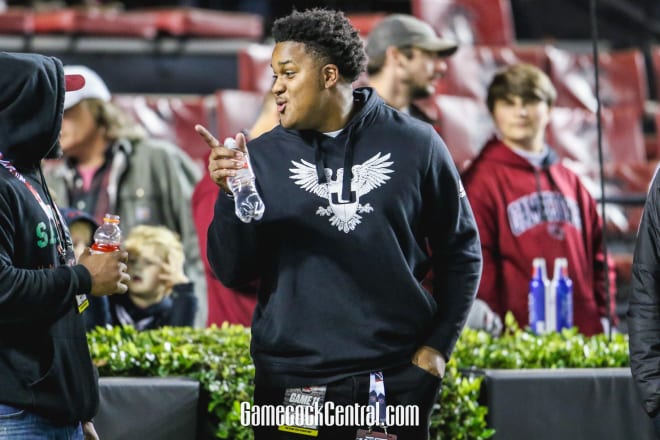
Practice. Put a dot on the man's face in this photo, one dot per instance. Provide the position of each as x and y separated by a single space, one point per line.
522 122
298 86
423 69
78 128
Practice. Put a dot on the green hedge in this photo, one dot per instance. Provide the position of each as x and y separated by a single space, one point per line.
219 358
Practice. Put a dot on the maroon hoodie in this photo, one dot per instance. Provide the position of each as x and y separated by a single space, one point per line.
524 212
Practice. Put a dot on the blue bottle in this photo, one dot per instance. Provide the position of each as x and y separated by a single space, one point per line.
538 287
564 295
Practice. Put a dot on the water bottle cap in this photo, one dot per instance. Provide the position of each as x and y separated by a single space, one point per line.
230 142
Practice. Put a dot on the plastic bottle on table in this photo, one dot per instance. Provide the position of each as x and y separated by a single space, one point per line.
563 288
539 287
107 237
247 201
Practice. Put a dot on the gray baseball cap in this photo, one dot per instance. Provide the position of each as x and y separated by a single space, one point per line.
402 30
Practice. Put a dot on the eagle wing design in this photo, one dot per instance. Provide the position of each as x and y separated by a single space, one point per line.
304 175
372 173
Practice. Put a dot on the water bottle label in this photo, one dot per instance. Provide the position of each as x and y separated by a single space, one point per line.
100 248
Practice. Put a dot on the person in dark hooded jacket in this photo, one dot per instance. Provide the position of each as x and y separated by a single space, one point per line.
644 307
352 189
48 385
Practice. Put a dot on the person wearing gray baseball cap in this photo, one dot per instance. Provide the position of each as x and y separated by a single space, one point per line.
406 57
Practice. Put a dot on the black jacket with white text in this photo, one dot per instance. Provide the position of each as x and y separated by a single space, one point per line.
45 366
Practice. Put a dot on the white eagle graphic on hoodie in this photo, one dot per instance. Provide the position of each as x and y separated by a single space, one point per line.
345 215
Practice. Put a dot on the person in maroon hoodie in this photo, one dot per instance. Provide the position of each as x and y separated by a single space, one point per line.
528 205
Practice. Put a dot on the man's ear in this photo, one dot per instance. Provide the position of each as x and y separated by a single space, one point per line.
330 75
395 56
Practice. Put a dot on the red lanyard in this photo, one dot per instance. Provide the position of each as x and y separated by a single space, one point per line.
54 218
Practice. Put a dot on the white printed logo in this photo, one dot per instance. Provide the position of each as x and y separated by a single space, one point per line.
345 214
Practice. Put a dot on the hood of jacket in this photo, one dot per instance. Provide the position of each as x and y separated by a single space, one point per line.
496 151
366 100
32 91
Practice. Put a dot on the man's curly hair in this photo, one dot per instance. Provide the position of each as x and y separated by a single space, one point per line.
327 35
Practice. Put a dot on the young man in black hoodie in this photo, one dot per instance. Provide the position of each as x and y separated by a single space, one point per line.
352 189
48 385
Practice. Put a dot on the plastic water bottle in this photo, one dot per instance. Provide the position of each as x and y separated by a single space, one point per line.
107 237
563 288
538 288
247 201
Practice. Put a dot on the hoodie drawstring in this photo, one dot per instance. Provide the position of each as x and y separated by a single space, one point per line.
65 245
553 184
537 177
319 157
346 193
320 162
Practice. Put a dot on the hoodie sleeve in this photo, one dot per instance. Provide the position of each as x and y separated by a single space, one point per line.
596 228
231 245
455 247
644 304
39 295
35 295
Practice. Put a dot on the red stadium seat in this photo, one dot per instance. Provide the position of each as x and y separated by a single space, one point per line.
94 21
465 125
17 21
486 22
172 118
655 62
622 79
471 68
236 110
254 71
115 23
208 23
365 22
56 21
573 133
147 23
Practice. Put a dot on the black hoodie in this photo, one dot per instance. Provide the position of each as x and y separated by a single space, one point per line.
45 366
644 305
340 261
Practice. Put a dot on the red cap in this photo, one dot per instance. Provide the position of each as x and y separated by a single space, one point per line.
74 82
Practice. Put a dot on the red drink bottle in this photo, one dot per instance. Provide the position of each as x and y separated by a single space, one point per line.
107 237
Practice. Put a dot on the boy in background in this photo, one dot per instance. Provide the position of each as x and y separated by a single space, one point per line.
159 294
527 205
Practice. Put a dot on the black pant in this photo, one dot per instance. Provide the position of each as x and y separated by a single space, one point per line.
407 385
